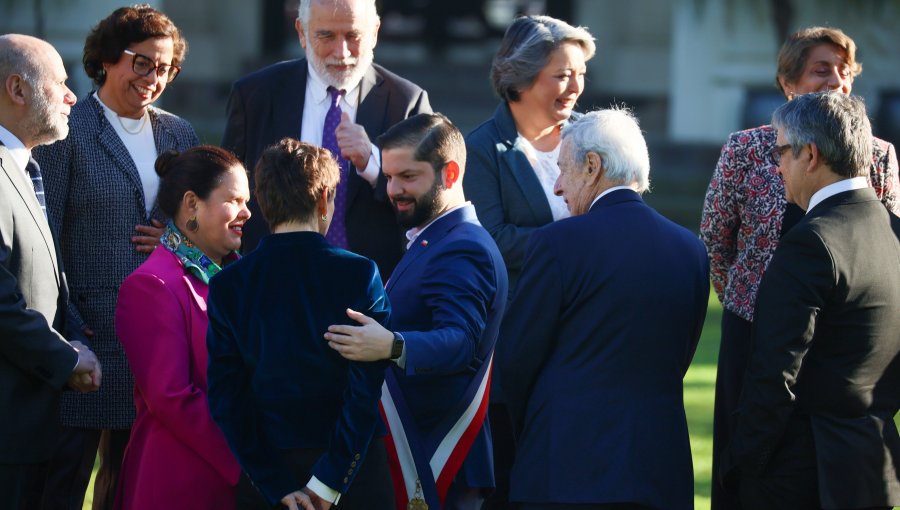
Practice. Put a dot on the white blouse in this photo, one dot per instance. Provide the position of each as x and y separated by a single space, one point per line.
546 168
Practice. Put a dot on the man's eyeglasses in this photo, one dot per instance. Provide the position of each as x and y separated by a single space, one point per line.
778 151
143 65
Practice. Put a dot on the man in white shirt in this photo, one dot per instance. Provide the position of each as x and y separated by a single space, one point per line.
335 98
36 361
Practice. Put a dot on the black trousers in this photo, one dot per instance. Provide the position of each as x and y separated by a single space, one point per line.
734 355
19 484
68 473
371 489
504 446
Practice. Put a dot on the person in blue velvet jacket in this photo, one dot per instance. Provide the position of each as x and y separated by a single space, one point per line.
449 294
594 348
299 417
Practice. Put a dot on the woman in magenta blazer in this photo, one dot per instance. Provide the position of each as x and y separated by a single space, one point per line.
176 456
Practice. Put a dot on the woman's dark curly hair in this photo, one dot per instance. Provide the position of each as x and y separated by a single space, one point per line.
124 27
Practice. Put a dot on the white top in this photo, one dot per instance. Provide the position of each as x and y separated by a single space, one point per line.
546 168
137 135
17 149
835 188
315 107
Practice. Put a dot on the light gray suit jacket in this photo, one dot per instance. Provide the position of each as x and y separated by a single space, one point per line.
95 199
35 360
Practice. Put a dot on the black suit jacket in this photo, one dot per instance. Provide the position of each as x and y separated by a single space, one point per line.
35 360
824 360
266 106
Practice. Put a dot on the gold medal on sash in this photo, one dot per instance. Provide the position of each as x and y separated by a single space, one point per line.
418 501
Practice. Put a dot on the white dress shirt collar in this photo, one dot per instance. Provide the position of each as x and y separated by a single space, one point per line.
16 148
835 188
607 192
319 89
413 233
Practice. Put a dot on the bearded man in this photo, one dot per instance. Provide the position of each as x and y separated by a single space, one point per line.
335 98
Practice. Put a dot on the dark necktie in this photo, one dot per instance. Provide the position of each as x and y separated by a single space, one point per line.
337 232
34 171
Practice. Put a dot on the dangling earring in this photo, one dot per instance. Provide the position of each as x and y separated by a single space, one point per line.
790 96
324 217
192 224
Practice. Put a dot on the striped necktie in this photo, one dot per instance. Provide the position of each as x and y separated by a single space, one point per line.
34 171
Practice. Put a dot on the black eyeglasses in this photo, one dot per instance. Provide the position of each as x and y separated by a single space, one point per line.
778 151
143 65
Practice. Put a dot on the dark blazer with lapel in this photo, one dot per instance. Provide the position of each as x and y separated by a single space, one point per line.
94 200
592 356
449 294
266 106
274 384
826 353
35 360
504 189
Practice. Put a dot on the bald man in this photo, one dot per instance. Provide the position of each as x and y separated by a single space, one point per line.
36 360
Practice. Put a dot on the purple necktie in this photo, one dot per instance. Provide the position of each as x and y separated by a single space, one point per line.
337 232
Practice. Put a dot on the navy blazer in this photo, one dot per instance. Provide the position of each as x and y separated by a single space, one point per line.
94 200
592 356
274 384
267 105
449 294
502 185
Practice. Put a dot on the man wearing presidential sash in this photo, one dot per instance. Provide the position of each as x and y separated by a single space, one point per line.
448 294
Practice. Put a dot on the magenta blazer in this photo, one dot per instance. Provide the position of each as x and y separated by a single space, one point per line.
176 457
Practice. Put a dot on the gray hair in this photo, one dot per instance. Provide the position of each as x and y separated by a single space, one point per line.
837 123
304 8
526 49
614 135
21 60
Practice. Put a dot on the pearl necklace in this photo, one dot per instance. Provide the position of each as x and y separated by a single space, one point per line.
139 129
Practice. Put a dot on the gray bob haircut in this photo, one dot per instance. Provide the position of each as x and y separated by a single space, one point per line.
526 49
837 123
305 6
614 135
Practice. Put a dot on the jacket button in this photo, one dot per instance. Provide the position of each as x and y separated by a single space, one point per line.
346 480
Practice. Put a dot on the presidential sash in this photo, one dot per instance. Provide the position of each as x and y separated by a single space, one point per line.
424 463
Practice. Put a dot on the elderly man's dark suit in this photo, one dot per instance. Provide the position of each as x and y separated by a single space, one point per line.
267 106
816 416
592 354
35 360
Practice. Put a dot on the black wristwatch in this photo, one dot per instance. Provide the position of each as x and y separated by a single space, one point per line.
397 348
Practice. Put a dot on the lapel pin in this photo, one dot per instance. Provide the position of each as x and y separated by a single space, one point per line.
425 242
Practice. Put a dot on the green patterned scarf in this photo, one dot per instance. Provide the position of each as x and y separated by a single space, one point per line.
194 261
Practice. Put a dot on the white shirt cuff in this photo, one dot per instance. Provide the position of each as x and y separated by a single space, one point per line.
323 491
373 168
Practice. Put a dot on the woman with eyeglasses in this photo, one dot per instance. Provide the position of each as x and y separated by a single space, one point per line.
101 190
746 213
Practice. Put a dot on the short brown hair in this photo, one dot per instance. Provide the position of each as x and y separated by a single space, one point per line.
432 137
794 52
124 27
290 177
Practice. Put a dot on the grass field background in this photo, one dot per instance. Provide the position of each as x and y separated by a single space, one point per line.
699 388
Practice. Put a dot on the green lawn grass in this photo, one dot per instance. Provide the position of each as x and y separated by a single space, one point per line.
699 389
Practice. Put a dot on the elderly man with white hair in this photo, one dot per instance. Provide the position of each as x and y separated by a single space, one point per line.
338 99
600 333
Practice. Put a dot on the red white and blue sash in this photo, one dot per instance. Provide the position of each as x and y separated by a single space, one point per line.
434 457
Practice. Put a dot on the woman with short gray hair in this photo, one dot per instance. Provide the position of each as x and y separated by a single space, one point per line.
538 73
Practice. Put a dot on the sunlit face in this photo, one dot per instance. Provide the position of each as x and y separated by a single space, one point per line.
413 187
222 215
340 40
48 119
574 181
826 69
557 87
127 93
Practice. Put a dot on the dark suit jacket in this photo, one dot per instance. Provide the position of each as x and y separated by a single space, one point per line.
449 293
274 384
826 340
504 189
35 360
592 355
267 106
94 200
